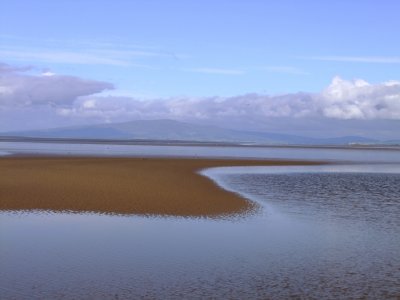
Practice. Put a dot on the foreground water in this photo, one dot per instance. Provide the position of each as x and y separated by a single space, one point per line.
323 232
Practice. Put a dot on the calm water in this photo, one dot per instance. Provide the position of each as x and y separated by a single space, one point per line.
390 155
323 232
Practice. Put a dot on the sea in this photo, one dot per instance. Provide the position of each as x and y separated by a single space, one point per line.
323 232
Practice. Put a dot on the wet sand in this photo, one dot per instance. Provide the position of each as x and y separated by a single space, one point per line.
147 186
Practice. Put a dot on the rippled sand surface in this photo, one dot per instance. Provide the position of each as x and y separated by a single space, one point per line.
150 186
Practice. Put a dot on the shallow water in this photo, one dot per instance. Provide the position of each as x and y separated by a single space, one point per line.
390 154
364 193
323 232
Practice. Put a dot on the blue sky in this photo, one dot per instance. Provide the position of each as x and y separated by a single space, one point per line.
205 48
166 49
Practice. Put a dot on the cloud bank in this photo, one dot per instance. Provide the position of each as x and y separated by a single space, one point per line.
73 98
342 99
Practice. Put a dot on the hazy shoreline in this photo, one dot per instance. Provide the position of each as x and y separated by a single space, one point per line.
145 186
153 142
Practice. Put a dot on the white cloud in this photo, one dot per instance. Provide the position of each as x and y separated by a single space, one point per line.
360 59
48 73
285 70
81 52
71 98
358 99
217 71
62 57
342 99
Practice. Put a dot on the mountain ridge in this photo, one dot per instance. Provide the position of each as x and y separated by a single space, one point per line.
166 129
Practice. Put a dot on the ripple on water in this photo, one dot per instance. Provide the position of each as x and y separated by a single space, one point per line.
366 197
332 235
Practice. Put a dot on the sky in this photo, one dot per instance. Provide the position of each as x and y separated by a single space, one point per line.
316 68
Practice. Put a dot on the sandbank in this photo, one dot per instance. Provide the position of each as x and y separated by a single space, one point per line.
145 186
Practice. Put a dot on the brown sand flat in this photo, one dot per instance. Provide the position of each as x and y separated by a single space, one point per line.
156 186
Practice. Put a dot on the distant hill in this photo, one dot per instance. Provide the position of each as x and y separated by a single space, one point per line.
181 131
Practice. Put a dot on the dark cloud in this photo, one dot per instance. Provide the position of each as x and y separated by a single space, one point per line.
5 68
17 88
